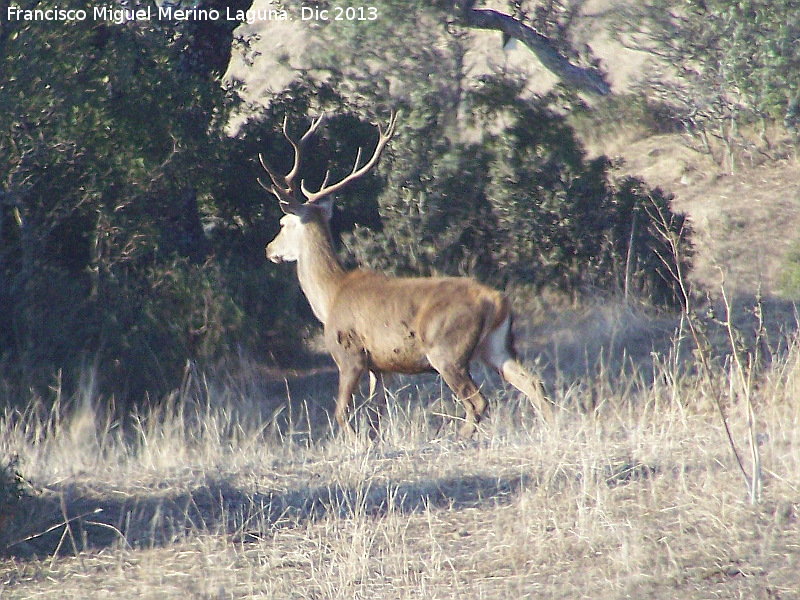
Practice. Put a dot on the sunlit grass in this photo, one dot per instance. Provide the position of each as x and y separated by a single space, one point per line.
216 494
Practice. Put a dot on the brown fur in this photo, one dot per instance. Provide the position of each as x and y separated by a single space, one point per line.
387 324
384 324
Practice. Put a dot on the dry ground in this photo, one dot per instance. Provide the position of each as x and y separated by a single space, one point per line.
745 223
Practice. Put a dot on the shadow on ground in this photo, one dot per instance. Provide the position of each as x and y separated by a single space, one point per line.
614 340
74 517
69 520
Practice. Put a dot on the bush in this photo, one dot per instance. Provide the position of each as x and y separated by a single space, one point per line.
630 113
790 276
14 489
524 205
116 166
720 66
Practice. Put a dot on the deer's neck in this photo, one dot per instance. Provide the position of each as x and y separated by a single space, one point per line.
319 270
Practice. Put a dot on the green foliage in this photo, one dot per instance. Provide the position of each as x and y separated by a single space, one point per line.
735 62
525 206
632 114
13 486
482 178
132 229
14 489
116 210
790 275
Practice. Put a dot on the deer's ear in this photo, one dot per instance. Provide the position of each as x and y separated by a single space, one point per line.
313 211
323 207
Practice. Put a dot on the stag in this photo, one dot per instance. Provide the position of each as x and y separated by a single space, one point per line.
380 324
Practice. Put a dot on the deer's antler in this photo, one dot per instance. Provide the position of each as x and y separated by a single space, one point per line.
286 189
326 190
283 186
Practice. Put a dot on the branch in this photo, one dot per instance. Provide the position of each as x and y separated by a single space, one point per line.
582 78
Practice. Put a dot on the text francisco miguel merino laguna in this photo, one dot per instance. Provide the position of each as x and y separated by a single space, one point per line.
165 12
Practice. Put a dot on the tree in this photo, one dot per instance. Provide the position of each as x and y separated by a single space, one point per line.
483 178
547 36
720 66
113 141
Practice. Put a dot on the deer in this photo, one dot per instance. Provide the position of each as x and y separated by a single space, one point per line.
383 324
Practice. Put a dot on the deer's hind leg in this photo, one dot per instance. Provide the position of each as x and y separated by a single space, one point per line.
497 350
456 376
515 374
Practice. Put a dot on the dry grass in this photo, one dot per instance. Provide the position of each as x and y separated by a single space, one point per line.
207 497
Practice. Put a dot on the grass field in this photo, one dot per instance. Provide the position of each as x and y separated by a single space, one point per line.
221 493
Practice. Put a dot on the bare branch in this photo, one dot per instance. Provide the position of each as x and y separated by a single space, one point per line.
582 78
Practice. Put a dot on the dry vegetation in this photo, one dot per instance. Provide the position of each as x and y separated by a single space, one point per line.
239 489
211 496
745 224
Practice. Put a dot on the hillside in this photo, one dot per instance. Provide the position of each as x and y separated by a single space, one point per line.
745 224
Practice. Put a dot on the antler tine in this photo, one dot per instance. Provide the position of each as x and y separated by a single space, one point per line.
390 128
276 179
358 160
297 146
282 186
313 127
285 197
383 139
263 185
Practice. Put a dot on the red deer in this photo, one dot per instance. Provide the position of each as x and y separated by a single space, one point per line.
382 324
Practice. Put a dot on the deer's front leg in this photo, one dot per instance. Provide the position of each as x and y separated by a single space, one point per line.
349 376
351 359
376 408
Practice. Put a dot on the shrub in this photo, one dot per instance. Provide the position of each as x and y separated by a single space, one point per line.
14 489
523 205
790 276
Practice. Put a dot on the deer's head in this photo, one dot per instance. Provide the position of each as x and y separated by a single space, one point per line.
303 208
